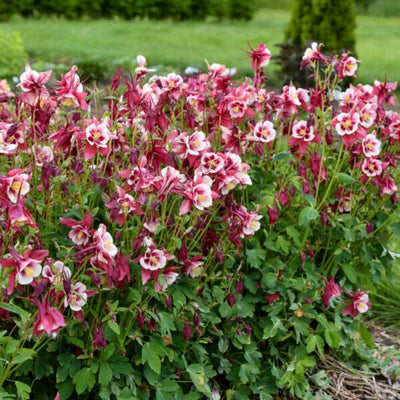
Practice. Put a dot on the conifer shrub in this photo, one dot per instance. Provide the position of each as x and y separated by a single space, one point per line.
322 21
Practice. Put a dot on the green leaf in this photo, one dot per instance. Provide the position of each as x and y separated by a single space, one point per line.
154 362
113 326
311 342
269 281
255 257
5 395
283 244
345 178
294 234
105 374
199 379
84 380
23 355
281 156
332 339
307 215
223 345
23 390
367 337
350 272
248 372
396 228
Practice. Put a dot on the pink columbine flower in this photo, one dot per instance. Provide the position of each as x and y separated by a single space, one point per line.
193 267
347 66
211 163
97 137
237 109
169 276
372 167
153 259
259 57
348 126
56 272
302 131
141 69
104 242
264 132
26 267
198 193
359 304
77 297
43 155
32 83
196 143
49 320
368 115
17 184
371 145
312 54
331 289
80 232
70 90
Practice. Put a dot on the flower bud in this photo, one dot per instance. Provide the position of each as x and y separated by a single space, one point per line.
140 317
231 299
239 287
187 331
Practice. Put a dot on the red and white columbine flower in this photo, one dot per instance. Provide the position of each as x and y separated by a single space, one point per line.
77 297
26 267
371 145
347 66
264 132
104 243
70 90
97 137
348 126
17 184
368 115
48 320
359 304
372 167
32 83
153 259
198 193
56 272
80 233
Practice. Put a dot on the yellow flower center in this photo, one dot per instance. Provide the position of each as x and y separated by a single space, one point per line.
29 271
201 198
347 124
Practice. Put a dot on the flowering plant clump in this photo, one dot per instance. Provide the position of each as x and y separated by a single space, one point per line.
191 237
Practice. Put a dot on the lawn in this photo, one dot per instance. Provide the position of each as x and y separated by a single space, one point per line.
177 45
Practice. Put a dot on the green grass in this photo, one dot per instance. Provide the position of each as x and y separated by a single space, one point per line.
177 45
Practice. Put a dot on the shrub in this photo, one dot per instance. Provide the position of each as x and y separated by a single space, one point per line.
191 237
13 56
319 21
241 9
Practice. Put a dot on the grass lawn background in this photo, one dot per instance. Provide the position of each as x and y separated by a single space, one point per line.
173 46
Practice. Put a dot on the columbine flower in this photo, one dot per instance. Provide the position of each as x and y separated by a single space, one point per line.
259 57
77 297
56 272
331 289
70 90
264 132
17 184
49 320
347 66
32 83
371 145
372 167
359 304
153 259
348 126
104 242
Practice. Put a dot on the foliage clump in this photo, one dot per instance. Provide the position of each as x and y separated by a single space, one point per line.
190 237
13 56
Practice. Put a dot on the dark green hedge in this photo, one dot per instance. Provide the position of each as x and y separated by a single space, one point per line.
178 10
